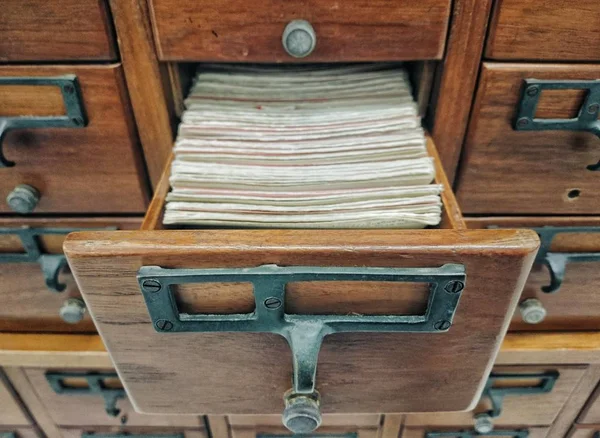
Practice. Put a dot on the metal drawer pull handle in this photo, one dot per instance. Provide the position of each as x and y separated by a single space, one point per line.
51 264
132 435
517 433
23 199
557 261
587 119
96 387
483 421
304 333
71 94
299 38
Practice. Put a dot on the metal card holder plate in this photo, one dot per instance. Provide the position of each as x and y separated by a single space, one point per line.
522 433
71 93
496 395
96 387
586 120
556 262
51 264
304 333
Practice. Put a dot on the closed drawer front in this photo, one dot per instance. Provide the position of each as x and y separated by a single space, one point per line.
11 411
133 432
20 432
236 30
551 171
448 432
590 415
561 291
204 375
525 403
42 30
94 398
584 431
90 166
333 426
38 291
524 29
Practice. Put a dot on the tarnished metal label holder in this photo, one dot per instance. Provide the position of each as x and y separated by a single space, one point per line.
586 120
71 94
304 333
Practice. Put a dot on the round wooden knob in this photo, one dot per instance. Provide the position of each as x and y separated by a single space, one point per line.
483 423
299 38
72 310
301 414
23 199
532 311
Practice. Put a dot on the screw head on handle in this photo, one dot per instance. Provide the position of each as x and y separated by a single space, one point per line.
302 413
532 311
23 199
299 38
483 423
72 310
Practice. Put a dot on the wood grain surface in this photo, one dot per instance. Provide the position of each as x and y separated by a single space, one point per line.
105 265
77 432
420 432
517 410
575 306
28 306
552 30
237 30
65 30
12 412
95 169
515 172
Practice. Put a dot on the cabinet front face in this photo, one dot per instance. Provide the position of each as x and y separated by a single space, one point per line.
69 136
525 166
239 31
133 432
11 411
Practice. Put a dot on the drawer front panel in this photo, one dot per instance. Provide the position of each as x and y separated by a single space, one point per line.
521 29
584 432
41 30
94 168
95 408
205 375
235 30
133 432
11 412
516 409
29 304
551 171
573 305
591 412
445 432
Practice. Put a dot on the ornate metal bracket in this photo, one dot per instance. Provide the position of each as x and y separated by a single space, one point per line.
496 395
96 387
522 433
586 120
304 333
71 94
51 264
556 262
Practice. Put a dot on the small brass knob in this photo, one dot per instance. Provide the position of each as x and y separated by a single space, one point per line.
483 423
23 199
299 38
72 310
301 414
532 311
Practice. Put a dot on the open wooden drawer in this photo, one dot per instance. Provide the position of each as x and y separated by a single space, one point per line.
395 344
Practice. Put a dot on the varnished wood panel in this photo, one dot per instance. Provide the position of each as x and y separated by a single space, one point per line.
237 30
329 420
28 306
575 306
416 432
133 431
587 431
11 411
42 30
323 431
95 169
518 410
552 30
203 370
516 172
88 410
591 412
458 78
